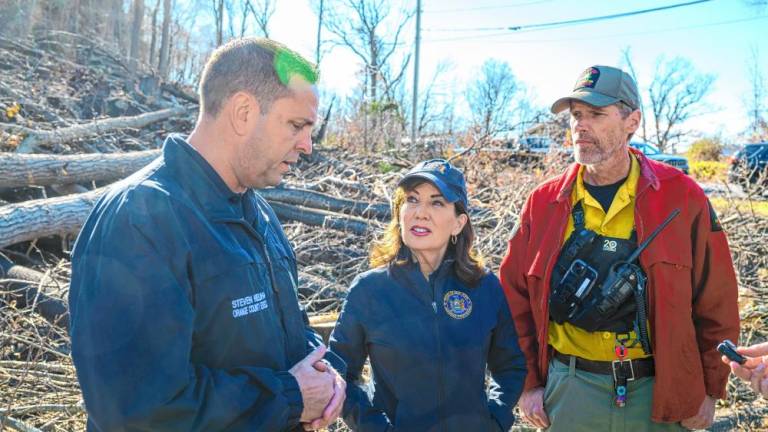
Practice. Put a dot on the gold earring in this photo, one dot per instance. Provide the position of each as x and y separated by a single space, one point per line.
453 238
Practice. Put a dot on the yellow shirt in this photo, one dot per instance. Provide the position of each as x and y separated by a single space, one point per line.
618 222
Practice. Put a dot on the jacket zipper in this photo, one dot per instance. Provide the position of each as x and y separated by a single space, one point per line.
440 372
272 283
640 229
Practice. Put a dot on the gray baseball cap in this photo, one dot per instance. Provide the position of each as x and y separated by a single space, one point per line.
601 86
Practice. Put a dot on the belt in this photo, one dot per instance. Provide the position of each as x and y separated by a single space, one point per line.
638 368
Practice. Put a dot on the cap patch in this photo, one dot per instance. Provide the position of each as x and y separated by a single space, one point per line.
589 78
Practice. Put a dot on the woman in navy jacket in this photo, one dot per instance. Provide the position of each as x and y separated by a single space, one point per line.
431 318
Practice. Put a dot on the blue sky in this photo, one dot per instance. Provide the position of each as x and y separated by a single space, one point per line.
716 36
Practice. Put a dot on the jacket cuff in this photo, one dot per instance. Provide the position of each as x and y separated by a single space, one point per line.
292 395
532 378
501 415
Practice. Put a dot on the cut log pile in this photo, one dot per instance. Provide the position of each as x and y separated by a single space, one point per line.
75 120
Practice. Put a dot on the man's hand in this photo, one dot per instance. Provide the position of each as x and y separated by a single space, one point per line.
704 418
532 406
333 410
317 387
754 370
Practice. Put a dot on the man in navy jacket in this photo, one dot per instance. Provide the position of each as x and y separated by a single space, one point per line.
184 312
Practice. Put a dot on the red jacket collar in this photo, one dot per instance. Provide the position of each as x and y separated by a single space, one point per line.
650 175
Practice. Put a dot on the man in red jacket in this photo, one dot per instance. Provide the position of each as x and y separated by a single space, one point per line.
635 352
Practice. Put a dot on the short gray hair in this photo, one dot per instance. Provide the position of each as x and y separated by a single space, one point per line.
261 67
624 109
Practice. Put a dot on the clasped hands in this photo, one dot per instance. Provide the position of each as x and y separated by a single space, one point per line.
323 390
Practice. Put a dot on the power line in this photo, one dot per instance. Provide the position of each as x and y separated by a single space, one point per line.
485 38
576 21
479 8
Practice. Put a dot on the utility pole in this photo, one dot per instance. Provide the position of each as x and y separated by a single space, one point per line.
319 28
415 107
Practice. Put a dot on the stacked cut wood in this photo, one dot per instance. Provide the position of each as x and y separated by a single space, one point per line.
77 119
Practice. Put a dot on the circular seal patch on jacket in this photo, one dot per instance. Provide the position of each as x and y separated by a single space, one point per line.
457 304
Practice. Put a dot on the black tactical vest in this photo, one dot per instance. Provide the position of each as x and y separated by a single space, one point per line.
574 294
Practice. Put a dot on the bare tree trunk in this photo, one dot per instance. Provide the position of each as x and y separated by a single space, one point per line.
244 17
165 42
218 17
183 59
373 68
85 13
319 29
262 12
676 93
18 170
118 18
31 19
138 18
319 135
153 43
171 42
756 95
229 7
628 60
74 18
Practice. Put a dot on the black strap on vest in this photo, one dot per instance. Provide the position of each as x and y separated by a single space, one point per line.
580 225
578 217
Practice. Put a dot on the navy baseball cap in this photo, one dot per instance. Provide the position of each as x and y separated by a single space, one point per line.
446 178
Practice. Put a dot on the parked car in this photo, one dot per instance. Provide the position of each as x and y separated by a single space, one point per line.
749 166
534 144
650 150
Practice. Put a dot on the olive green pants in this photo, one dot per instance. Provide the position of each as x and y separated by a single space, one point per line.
576 400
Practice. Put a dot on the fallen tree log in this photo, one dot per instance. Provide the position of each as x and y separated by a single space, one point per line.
180 93
338 183
320 218
307 198
37 138
45 217
18 170
33 219
30 287
21 47
322 254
